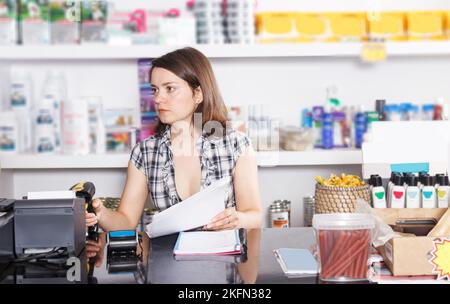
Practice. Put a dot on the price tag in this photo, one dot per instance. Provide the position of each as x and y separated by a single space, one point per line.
373 52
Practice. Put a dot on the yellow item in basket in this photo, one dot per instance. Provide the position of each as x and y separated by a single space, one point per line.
387 25
425 25
342 181
347 26
312 27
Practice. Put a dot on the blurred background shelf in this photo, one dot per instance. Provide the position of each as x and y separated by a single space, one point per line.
110 52
120 160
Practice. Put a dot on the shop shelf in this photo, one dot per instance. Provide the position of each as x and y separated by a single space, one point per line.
120 160
110 52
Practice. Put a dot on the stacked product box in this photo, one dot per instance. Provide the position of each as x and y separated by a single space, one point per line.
34 17
93 21
8 22
210 21
65 22
149 118
240 21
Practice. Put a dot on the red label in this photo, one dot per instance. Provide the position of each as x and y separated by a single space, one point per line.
398 194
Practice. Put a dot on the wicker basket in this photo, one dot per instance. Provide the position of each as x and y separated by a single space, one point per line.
331 199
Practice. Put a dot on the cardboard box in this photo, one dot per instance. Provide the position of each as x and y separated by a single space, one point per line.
425 25
387 25
408 255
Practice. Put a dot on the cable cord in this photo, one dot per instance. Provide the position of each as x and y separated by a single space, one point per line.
55 252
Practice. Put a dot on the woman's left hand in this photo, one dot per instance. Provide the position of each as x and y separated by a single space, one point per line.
227 219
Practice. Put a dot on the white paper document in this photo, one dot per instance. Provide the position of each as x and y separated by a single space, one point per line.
194 212
208 242
51 194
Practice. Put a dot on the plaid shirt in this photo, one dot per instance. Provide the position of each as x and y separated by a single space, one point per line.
218 157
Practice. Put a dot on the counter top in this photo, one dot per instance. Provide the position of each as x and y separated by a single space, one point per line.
158 265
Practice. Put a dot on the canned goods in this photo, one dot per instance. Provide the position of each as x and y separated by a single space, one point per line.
279 215
308 210
288 206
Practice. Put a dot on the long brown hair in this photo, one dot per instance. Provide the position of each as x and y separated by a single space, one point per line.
193 67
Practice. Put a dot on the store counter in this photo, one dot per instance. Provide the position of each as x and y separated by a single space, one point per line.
154 262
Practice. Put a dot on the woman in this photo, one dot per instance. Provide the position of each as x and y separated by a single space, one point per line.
192 148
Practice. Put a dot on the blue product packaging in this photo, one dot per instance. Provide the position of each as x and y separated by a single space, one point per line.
327 131
360 128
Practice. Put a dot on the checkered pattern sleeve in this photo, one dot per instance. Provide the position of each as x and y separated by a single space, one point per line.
240 142
137 157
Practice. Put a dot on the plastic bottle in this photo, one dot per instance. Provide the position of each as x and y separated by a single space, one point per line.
317 125
389 187
20 92
55 89
437 179
412 192
44 137
397 194
378 193
395 113
307 121
360 128
327 131
9 132
421 175
427 112
428 192
414 116
379 107
443 191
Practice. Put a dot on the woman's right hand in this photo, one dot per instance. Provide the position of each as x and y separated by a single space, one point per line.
91 218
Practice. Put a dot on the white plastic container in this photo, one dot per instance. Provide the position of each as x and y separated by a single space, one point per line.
378 193
413 193
397 194
20 91
9 133
55 89
428 193
75 127
443 191
44 127
344 241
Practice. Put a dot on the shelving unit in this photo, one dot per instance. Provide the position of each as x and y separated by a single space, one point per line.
109 52
120 160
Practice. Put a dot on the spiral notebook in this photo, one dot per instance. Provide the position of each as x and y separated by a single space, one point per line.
296 262
225 242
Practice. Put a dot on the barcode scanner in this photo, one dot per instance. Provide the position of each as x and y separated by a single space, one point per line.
86 190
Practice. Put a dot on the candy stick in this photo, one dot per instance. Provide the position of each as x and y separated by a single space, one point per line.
362 271
342 237
343 262
356 249
355 267
360 258
322 246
